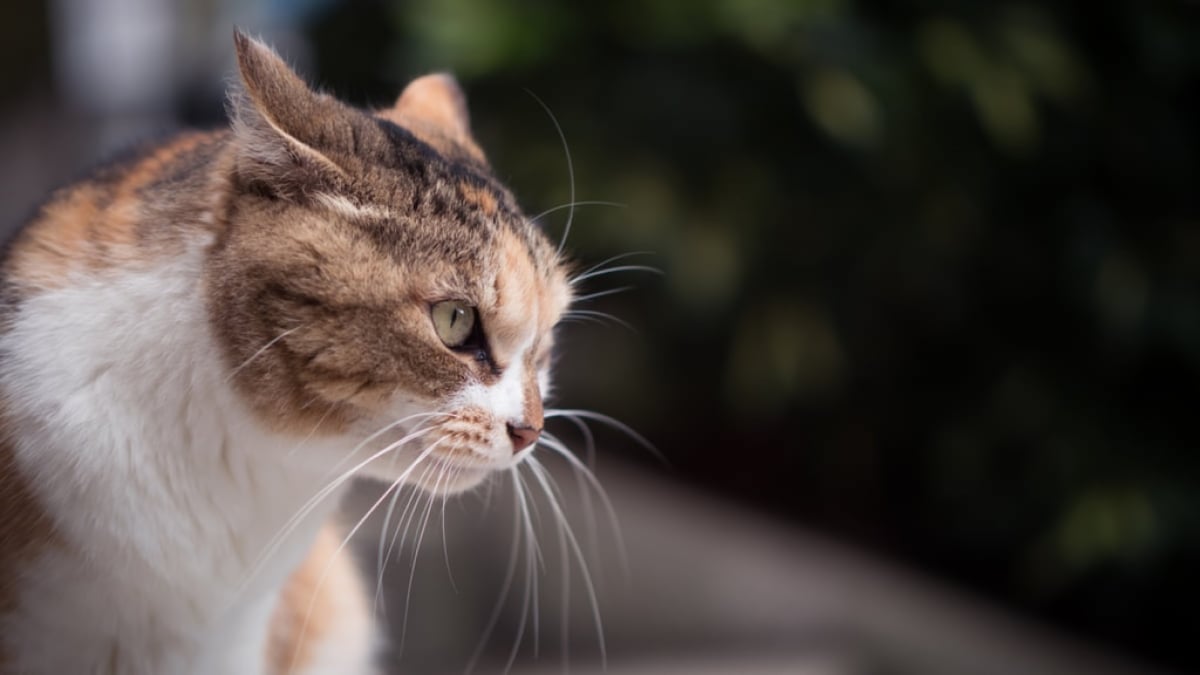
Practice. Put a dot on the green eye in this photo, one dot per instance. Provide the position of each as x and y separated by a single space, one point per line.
454 321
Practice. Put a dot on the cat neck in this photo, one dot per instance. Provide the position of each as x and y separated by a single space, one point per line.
146 460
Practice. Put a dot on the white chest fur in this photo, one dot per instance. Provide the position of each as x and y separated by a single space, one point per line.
163 488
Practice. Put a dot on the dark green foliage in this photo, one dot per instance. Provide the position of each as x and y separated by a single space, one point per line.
932 268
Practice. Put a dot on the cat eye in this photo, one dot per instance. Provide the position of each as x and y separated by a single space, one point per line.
454 322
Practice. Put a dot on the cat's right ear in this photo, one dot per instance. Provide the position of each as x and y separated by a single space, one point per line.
434 109
288 136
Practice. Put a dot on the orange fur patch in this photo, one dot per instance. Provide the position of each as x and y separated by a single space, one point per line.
94 224
324 584
518 296
482 198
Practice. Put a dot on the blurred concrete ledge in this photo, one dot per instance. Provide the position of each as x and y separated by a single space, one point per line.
729 664
711 589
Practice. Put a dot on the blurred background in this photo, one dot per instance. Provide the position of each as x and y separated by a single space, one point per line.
925 351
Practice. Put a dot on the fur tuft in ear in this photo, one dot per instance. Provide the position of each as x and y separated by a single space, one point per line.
288 136
434 109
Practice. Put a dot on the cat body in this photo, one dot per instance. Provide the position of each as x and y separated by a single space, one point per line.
201 345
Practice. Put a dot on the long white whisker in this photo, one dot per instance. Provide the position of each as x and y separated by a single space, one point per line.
581 313
606 261
489 489
446 545
337 482
570 171
408 515
510 574
412 572
380 560
585 494
530 577
539 473
386 428
589 439
612 270
533 563
401 526
582 319
350 535
276 541
612 422
382 556
564 608
590 202
564 561
601 294
585 474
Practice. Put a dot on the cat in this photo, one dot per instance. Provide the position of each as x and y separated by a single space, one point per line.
200 345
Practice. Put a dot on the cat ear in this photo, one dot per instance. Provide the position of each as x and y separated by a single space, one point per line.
434 109
288 135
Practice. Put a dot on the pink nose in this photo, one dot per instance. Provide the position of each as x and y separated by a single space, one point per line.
522 435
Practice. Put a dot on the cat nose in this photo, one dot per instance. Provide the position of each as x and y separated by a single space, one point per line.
522 435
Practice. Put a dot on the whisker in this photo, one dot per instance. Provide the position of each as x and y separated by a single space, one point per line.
564 608
382 556
589 439
581 319
276 541
589 444
564 561
334 484
510 574
534 561
233 373
539 473
408 515
591 202
530 577
380 605
446 543
581 313
570 171
535 523
585 474
585 495
350 535
489 488
307 438
612 422
533 564
602 263
386 428
601 294
412 571
613 270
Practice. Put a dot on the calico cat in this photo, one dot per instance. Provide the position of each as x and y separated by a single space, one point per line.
200 346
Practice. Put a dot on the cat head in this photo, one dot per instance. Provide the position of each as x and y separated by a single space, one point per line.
373 281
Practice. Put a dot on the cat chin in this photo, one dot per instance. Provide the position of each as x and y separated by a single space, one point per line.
453 481
436 475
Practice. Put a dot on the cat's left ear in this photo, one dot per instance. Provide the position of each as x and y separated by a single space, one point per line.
434 109
293 138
